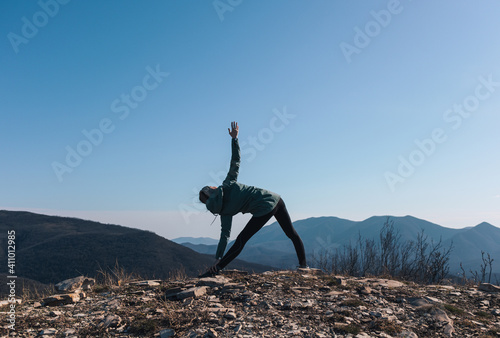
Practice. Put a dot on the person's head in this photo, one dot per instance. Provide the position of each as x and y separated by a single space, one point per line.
205 193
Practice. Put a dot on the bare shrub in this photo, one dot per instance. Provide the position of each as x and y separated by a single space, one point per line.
419 260
478 277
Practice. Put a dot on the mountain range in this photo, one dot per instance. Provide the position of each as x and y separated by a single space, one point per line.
49 249
270 246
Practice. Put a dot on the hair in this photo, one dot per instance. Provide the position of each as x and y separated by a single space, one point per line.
204 195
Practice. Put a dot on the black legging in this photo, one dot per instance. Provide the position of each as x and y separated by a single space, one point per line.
255 224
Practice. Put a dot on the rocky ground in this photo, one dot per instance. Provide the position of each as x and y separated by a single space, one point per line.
303 303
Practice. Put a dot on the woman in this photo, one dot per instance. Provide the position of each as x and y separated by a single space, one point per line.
231 198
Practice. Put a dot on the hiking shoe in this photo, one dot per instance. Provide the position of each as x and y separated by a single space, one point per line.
208 274
212 272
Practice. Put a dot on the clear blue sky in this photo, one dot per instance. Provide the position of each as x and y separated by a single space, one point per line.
330 96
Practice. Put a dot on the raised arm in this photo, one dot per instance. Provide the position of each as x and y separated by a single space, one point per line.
235 154
234 130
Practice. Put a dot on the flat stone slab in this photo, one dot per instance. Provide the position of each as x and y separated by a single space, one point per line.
445 287
213 281
155 282
167 333
422 301
310 271
48 332
192 292
56 300
487 287
388 283
7 302
219 309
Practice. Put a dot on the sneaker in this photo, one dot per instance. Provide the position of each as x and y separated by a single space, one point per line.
210 273
207 274
303 266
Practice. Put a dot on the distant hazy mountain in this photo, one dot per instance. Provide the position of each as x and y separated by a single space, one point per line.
270 245
196 240
469 243
203 248
50 249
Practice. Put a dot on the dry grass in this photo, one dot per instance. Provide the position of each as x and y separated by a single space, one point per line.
453 310
349 329
114 277
386 326
29 293
178 275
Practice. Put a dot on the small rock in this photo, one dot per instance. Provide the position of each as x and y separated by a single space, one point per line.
421 301
111 321
449 330
192 334
445 287
167 333
69 332
365 290
440 315
230 315
432 299
390 318
388 283
384 335
487 287
147 283
159 311
407 334
212 333
213 281
334 293
48 332
192 292
310 271
8 302
70 285
485 303
56 300
363 335
55 313
234 286
172 293
388 311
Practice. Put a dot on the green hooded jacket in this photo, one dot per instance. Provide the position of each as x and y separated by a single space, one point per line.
232 197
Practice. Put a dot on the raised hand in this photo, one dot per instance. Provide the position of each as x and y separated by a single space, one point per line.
234 130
